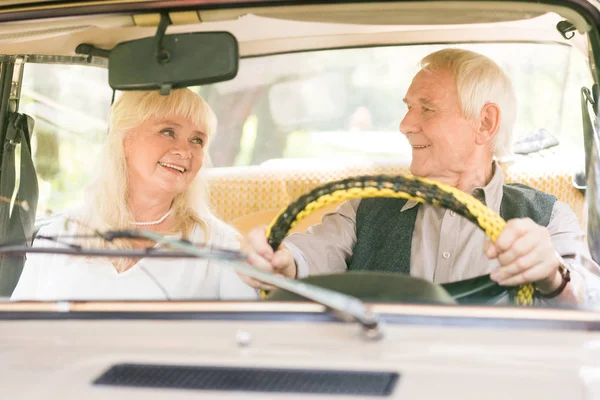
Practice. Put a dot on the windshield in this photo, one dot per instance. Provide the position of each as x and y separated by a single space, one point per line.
323 104
286 124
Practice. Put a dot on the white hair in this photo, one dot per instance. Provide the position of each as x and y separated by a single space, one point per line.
106 204
479 81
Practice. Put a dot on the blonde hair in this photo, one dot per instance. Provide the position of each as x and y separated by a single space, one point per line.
106 206
479 81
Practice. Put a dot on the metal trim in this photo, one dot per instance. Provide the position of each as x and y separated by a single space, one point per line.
316 317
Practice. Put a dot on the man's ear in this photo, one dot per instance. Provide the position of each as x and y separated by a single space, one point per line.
489 122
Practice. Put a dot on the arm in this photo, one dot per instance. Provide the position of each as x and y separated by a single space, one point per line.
528 252
567 240
26 288
231 286
37 266
324 248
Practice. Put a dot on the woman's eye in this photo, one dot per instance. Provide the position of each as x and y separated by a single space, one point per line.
168 132
198 140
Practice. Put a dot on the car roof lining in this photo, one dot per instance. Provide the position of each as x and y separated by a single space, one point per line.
265 30
404 13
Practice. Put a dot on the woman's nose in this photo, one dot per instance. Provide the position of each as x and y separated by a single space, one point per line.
182 150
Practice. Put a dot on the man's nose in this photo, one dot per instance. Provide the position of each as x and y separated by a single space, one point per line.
409 124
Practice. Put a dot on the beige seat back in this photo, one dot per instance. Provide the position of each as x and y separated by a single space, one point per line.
252 196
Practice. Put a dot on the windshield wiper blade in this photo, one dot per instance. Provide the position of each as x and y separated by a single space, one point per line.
140 253
18 248
348 307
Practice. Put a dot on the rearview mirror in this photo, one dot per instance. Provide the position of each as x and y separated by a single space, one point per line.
173 61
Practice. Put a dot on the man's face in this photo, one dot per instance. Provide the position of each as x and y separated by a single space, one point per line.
442 139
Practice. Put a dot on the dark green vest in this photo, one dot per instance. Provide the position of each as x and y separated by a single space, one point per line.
384 234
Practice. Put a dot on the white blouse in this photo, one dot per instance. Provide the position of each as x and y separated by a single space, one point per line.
66 277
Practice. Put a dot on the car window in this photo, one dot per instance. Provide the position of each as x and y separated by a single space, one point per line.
348 102
70 106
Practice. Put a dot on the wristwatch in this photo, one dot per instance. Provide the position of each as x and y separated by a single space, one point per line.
566 278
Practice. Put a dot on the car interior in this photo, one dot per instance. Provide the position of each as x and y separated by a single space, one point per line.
307 94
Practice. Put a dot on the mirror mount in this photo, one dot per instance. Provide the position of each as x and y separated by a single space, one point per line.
91 51
161 53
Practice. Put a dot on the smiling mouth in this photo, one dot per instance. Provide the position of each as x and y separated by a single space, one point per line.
172 166
420 147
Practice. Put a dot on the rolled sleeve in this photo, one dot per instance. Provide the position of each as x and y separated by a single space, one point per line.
301 263
325 248
568 241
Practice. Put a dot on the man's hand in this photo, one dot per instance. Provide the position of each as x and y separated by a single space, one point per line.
525 253
262 256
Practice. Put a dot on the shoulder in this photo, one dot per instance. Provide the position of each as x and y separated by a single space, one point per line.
220 233
527 192
564 216
522 201
57 225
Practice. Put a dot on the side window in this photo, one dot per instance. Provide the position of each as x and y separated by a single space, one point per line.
70 106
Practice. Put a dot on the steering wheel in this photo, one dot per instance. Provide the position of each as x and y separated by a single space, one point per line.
409 187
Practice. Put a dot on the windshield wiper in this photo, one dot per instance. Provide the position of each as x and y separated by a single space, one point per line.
75 249
347 307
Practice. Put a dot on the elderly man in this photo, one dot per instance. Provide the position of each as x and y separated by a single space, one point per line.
461 109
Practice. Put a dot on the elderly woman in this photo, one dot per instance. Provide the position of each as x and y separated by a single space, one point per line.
149 179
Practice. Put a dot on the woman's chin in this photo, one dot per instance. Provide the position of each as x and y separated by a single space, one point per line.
171 188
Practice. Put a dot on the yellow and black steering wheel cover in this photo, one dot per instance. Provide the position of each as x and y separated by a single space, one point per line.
399 186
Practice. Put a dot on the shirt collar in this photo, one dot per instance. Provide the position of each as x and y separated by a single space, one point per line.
490 194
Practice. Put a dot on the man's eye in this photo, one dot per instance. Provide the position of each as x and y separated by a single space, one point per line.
168 132
425 109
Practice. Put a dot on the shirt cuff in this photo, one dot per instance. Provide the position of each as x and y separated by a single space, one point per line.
302 269
585 284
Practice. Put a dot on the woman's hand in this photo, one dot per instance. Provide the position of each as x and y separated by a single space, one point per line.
525 253
262 256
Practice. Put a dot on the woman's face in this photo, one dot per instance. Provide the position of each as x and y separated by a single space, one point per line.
164 155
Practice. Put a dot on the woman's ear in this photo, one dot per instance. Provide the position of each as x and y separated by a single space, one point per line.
489 123
127 143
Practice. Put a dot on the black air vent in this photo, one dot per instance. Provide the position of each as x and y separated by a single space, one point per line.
367 383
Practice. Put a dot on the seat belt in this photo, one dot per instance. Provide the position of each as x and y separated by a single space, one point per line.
592 167
20 217
588 98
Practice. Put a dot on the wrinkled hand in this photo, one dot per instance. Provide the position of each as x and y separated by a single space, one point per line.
262 256
525 253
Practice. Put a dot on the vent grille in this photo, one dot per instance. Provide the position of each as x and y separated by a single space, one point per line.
366 383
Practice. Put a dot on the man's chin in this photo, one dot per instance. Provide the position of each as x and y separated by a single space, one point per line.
419 170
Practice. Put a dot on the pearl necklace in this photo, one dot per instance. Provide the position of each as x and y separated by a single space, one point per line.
158 221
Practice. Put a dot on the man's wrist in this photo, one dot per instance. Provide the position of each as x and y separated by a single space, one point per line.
549 285
553 287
